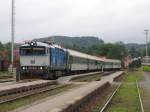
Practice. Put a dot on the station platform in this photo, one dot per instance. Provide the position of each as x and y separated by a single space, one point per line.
58 102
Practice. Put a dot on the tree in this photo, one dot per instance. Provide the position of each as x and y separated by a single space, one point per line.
7 50
113 51
118 51
134 52
1 47
105 49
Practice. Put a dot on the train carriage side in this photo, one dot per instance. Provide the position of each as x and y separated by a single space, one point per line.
108 65
78 62
58 58
58 61
117 65
111 64
100 64
95 63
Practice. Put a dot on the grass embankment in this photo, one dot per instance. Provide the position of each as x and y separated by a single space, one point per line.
31 99
146 68
126 99
88 78
132 76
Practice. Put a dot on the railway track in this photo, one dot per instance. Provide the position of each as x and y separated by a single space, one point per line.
24 90
110 99
139 95
114 93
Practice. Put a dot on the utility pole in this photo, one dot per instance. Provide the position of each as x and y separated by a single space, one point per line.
12 31
146 33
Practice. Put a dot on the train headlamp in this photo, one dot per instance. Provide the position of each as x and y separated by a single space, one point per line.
33 44
23 68
41 68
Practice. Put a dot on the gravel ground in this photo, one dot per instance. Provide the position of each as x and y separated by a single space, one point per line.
145 91
146 83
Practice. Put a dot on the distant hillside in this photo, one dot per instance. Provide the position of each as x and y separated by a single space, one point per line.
81 42
134 45
137 49
93 45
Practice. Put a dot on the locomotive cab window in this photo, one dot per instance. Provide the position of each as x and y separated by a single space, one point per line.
32 51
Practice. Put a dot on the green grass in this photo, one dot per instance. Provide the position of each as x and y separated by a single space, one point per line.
30 99
134 75
146 68
126 98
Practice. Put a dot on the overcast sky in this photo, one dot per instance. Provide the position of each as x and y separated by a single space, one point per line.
111 20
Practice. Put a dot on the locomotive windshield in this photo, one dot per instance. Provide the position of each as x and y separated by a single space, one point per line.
32 51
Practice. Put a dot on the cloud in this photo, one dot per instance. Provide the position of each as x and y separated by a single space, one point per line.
110 20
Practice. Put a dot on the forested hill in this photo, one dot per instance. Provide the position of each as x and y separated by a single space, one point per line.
81 42
88 44
95 46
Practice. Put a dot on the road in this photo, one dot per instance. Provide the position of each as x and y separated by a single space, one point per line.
146 82
145 91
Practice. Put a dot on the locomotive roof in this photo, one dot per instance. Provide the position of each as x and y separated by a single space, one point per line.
45 45
38 44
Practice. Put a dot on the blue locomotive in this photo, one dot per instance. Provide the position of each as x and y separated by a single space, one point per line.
49 61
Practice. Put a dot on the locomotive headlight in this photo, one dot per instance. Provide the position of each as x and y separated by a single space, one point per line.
32 43
41 68
23 68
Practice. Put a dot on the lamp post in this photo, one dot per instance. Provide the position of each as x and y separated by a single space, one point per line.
12 31
12 37
146 47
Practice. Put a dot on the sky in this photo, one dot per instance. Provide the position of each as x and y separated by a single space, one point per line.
110 20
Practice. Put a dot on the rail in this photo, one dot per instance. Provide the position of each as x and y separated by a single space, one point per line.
17 93
139 95
110 98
